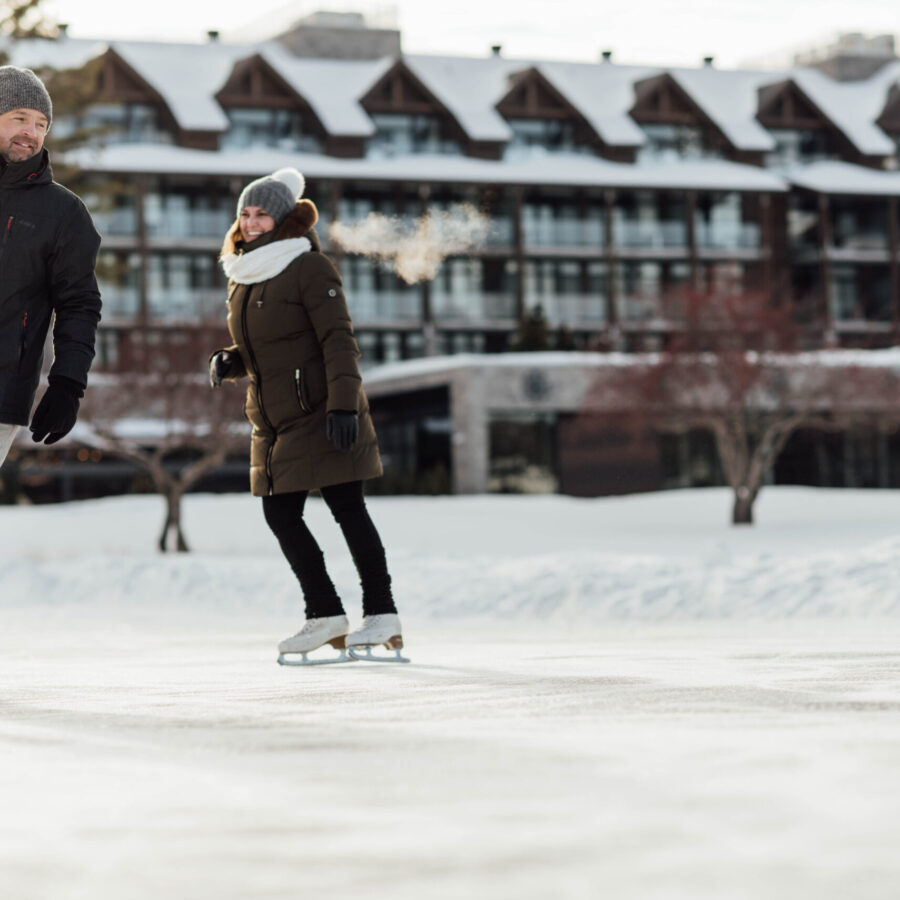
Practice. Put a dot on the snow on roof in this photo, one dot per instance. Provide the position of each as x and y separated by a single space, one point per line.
839 101
469 88
67 53
887 358
603 93
187 77
579 170
730 98
835 177
332 87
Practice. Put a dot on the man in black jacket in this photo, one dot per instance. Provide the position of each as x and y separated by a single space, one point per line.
48 250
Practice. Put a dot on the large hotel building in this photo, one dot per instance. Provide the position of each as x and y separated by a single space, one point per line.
607 188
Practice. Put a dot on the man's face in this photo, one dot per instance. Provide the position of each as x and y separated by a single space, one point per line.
22 133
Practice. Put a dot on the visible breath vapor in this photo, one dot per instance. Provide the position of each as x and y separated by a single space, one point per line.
414 249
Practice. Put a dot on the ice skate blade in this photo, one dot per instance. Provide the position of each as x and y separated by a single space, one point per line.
285 659
363 652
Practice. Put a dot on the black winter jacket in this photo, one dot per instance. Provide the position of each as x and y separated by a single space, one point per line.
48 250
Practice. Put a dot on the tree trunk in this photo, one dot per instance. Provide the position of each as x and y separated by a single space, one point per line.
173 522
742 509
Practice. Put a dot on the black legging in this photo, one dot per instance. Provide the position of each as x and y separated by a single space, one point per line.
284 515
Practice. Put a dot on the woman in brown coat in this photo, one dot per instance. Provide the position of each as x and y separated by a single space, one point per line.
293 339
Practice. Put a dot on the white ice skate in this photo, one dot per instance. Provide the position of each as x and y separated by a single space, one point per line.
316 633
375 630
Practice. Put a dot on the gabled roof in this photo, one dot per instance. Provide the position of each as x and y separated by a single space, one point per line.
187 77
852 106
470 88
331 87
603 93
729 97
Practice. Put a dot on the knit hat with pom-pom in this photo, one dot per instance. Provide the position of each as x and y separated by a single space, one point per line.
276 193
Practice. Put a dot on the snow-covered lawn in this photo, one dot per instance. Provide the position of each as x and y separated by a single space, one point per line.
620 698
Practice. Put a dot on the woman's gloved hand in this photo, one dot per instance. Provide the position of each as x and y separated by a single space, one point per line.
221 365
342 428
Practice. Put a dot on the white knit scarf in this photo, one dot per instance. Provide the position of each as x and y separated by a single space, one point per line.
264 263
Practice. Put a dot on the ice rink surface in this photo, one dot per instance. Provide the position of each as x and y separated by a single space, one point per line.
695 761
647 712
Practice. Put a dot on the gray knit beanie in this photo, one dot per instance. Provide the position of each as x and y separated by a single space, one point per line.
22 89
276 193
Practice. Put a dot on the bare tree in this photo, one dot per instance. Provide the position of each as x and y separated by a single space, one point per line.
736 371
155 420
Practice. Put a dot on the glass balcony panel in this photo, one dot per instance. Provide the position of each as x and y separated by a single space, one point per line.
728 235
117 223
474 307
371 306
634 234
573 309
119 302
185 303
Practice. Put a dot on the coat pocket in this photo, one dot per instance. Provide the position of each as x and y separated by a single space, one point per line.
300 386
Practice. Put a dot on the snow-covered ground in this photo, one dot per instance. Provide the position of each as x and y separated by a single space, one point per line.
621 697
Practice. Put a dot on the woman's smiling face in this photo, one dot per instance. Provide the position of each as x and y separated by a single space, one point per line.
254 221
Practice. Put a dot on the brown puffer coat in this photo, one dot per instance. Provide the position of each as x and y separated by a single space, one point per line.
296 343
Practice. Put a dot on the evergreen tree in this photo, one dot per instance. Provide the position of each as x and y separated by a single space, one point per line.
532 333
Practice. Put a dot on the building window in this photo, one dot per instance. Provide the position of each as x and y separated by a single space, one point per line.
281 128
799 145
185 286
861 293
116 123
669 143
523 454
720 225
397 134
650 219
544 136
569 292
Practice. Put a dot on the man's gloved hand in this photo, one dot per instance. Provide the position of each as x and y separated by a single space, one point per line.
342 428
55 415
221 365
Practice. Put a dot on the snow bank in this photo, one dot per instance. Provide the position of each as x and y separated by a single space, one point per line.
562 560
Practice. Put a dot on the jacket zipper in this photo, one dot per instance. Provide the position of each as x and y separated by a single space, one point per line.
22 341
7 230
298 380
259 400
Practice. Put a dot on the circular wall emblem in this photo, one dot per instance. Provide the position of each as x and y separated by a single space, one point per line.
535 385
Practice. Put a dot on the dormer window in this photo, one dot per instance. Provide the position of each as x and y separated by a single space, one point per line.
800 145
282 129
549 135
669 142
401 134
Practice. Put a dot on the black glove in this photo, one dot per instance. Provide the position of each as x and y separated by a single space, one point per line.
221 365
55 415
342 428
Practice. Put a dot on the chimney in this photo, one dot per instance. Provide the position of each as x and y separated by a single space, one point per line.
213 36
606 56
708 61
496 49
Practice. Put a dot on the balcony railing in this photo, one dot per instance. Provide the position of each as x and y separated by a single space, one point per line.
385 306
571 309
734 236
473 307
651 235
194 224
563 232
192 304
118 223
